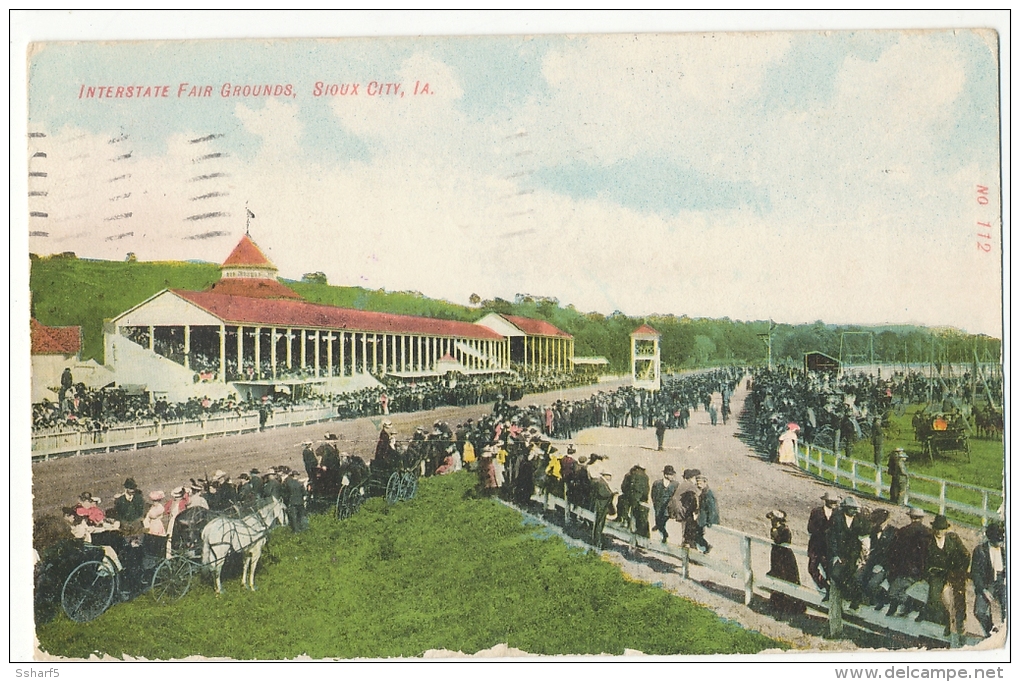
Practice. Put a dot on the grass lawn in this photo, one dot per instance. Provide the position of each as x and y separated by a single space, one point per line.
444 570
987 457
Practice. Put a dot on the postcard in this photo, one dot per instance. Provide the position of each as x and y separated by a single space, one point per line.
669 343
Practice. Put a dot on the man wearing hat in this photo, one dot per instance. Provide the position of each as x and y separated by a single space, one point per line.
907 559
662 492
818 524
294 493
876 570
947 564
128 506
845 547
684 506
602 495
633 501
897 475
988 572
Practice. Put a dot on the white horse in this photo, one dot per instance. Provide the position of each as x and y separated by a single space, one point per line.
221 536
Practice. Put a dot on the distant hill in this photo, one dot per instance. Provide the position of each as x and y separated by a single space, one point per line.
71 291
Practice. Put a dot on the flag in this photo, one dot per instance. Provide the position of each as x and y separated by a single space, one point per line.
250 214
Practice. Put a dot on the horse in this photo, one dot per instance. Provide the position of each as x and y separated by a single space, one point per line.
247 534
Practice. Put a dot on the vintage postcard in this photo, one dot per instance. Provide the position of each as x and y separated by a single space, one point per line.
668 343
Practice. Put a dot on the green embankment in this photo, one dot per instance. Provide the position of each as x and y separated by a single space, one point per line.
443 571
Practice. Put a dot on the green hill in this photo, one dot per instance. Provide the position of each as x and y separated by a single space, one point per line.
71 291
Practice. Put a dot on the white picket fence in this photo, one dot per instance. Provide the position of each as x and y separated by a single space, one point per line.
133 436
867 478
749 573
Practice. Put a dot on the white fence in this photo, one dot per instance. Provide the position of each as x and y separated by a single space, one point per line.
957 500
749 574
134 436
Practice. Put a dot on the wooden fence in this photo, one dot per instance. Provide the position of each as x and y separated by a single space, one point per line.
133 436
748 573
962 502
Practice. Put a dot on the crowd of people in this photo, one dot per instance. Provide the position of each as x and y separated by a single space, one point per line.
97 409
857 556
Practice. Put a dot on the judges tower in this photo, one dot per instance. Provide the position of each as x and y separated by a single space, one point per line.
645 358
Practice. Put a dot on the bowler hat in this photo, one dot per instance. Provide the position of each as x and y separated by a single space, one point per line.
995 532
915 513
130 484
669 470
940 523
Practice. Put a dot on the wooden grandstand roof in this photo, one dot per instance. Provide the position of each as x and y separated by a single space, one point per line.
248 254
245 310
54 340
533 327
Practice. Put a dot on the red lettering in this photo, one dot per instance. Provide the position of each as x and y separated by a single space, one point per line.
984 247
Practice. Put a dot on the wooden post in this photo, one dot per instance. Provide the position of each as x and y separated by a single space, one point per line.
687 563
745 548
878 481
942 496
853 474
835 611
984 508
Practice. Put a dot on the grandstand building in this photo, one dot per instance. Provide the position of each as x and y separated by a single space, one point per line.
250 334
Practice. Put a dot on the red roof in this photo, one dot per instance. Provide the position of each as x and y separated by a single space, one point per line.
645 330
55 340
536 327
246 253
252 288
297 313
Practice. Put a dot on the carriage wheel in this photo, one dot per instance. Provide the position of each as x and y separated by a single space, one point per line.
172 579
393 488
348 502
88 591
408 486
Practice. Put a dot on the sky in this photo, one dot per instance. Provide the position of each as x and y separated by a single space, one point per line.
796 176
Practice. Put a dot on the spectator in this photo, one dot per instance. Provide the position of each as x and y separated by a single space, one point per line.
783 564
708 514
989 575
663 491
947 564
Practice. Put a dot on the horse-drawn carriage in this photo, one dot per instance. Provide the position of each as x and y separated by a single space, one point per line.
393 476
941 433
167 566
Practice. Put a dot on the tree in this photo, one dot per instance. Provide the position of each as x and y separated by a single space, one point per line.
314 278
474 299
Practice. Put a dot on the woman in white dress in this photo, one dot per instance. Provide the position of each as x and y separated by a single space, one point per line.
788 445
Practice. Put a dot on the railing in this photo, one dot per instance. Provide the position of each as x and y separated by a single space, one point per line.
749 574
133 436
963 502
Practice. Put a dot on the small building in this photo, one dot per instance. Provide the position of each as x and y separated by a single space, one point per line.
53 350
816 361
646 358
534 345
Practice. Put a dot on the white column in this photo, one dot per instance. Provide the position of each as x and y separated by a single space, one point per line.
258 359
240 351
383 354
364 353
223 353
187 345
304 333
272 350
343 343
316 353
152 338
329 353
290 351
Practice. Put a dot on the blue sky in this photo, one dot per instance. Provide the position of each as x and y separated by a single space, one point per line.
718 174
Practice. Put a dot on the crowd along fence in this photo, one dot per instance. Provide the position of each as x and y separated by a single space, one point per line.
964 503
156 433
742 560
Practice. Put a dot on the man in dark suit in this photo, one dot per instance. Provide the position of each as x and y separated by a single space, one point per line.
633 500
818 551
845 546
662 493
294 492
947 563
876 569
988 572
907 561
